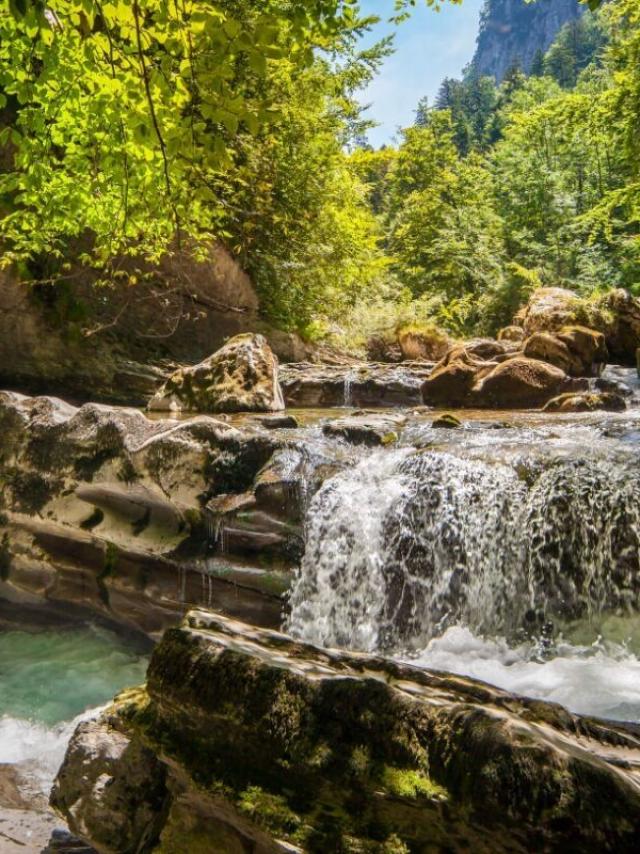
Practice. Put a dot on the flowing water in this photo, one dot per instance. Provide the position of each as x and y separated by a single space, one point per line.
508 552
49 681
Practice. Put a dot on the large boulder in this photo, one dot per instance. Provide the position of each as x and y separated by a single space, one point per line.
616 315
576 350
519 383
267 744
241 377
548 310
505 381
428 344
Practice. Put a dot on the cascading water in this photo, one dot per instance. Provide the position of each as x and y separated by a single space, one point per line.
441 554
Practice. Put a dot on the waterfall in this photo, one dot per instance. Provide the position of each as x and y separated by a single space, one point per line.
408 543
349 379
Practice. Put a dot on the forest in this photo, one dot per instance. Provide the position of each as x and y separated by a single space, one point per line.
130 129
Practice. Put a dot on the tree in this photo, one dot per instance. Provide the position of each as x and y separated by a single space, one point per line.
444 235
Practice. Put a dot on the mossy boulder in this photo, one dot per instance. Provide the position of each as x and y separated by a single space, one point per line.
273 745
615 314
240 377
423 343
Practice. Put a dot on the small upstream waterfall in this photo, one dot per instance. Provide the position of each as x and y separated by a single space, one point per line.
408 544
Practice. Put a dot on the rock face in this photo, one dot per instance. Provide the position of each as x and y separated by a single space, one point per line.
616 315
241 377
360 385
512 31
136 520
245 740
44 344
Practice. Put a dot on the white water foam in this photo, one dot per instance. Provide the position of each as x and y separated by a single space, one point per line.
37 750
434 556
602 679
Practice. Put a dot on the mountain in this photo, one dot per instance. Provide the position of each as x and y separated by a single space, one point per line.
514 31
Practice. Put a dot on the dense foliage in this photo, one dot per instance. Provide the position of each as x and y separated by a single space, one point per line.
130 127
497 190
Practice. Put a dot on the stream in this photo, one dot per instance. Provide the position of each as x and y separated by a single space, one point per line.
50 680
507 549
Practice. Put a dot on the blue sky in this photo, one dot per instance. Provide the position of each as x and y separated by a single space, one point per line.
429 47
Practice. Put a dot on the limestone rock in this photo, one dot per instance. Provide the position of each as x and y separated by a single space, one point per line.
363 384
127 789
109 511
240 377
273 745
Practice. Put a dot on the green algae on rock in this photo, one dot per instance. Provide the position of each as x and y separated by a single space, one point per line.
240 377
273 745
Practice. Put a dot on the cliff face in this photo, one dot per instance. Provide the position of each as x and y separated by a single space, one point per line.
515 31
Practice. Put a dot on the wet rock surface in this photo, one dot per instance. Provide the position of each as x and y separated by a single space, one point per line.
259 742
366 384
104 509
370 429
610 401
